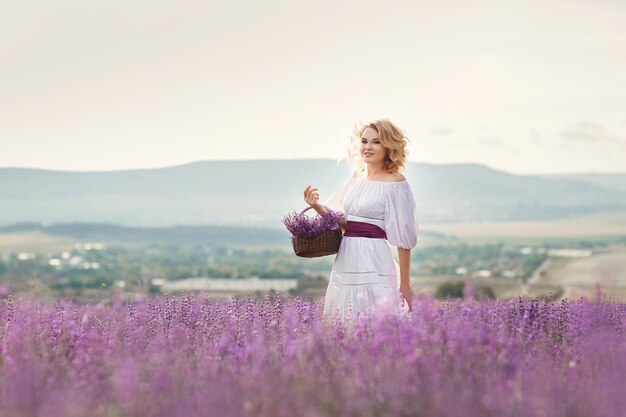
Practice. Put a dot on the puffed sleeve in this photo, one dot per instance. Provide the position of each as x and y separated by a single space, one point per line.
400 216
337 198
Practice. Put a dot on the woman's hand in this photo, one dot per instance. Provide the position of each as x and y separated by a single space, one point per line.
311 196
406 294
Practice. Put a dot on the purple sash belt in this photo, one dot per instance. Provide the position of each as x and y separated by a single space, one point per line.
362 229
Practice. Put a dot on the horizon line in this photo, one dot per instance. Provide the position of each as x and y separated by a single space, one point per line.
338 160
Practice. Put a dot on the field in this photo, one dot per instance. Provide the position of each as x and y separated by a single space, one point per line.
600 226
572 278
578 277
274 356
596 226
569 278
278 357
33 242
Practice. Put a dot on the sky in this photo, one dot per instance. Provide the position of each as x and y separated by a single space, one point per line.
526 87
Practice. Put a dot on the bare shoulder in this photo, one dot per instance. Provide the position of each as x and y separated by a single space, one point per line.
395 177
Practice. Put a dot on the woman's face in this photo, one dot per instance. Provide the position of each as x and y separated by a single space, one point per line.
372 151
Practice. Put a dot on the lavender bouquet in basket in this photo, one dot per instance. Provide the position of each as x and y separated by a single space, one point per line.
314 236
308 227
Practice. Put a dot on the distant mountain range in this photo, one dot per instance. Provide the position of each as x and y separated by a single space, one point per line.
611 181
261 192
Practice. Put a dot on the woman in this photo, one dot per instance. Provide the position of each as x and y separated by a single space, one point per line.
379 210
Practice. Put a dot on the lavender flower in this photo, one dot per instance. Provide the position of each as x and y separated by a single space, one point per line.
309 227
182 356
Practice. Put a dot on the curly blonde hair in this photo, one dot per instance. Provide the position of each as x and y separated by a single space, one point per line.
391 137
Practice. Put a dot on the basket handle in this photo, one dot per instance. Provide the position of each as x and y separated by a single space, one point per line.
310 207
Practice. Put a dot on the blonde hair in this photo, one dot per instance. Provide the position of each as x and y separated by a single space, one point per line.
391 137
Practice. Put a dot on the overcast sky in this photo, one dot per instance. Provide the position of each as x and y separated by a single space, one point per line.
521 86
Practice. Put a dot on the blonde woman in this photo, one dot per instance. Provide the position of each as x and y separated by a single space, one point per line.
379 210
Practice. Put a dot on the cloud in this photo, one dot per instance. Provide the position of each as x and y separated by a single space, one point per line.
439 130
590 133
492 140
535 137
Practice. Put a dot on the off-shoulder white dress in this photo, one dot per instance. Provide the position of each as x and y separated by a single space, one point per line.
365 274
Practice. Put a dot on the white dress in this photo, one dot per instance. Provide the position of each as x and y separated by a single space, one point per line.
365 274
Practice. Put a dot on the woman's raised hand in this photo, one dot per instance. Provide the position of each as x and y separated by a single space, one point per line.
311 196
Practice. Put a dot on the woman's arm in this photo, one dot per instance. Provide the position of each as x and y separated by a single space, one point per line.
404 258
311 196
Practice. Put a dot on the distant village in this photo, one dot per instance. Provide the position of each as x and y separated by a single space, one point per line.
92 269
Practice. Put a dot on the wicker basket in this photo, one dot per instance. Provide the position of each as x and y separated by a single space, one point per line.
326 243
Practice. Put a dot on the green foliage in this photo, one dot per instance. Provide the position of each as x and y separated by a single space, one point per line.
484 291
84 279
450 289
138 264
531 262
454 289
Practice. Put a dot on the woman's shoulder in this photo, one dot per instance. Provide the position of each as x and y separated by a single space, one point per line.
398 187
392 177
388 178
396 177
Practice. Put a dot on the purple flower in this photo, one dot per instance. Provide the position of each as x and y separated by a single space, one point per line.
309 227
279 357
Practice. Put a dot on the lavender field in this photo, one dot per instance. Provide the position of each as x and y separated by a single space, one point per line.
189 356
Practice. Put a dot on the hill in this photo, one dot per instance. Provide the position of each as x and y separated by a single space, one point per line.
260 193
